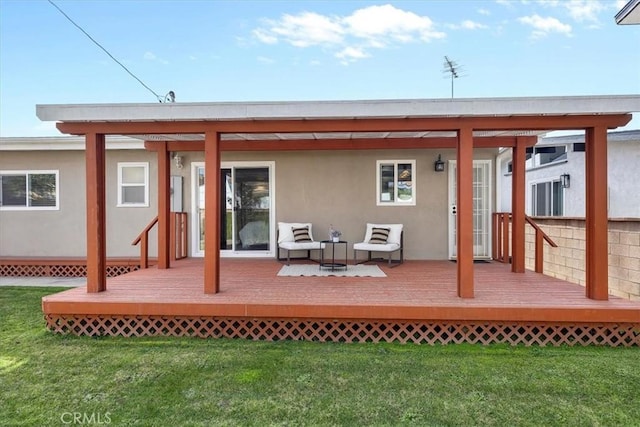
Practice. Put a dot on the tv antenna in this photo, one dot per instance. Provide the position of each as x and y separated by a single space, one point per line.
451 69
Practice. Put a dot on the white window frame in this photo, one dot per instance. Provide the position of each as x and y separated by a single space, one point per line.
33 172
396 202
549 199
121 166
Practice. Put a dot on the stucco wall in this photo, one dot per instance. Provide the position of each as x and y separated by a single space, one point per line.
339 188
322 187
62 233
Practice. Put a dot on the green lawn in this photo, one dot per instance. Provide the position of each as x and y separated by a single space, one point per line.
45 379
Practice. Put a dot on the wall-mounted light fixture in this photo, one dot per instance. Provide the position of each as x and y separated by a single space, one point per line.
439 164
565 180
178 159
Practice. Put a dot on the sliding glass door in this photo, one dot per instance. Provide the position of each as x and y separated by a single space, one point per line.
246 209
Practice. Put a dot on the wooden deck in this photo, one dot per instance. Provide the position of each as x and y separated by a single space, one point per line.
417 292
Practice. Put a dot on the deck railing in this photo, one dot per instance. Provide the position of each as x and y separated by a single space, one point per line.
501 242
177 238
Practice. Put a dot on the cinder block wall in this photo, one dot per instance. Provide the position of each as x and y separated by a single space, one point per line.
567 261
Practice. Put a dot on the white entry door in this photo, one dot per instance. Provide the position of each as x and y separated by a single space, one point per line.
481 209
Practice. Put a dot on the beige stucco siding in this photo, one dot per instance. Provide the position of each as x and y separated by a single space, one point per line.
62 233
339 188
321 187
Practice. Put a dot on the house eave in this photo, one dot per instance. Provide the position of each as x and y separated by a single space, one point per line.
66 143
363 109
629 14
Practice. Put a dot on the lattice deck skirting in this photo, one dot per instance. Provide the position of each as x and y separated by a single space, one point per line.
533 333
57 269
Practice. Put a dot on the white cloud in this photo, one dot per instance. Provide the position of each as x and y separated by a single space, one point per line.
584 10
543 26
264 36
150 56
306 29
351 54
471 25
508 3
265 60
551 3
468 25
580 10
349 37
380 23
484 12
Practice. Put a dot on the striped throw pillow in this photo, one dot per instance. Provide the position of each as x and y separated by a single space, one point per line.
301 234
379 235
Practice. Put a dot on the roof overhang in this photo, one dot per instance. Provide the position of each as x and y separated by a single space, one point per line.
66 143
322 120
629 14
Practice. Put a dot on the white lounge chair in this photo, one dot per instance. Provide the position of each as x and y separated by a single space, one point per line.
381 238
296 236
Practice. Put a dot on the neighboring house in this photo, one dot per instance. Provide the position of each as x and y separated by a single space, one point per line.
629 14
555 176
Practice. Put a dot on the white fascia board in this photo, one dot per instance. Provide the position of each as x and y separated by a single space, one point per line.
299 110
65 143
629 14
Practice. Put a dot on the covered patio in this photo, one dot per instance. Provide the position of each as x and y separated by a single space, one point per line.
421 301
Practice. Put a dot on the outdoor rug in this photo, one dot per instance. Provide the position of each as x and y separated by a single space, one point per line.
314 270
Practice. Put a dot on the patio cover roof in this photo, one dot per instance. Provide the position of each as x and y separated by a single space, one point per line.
417 120
219 112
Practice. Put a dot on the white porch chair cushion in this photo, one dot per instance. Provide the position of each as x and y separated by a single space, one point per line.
287 239
392 244
395 230
285 231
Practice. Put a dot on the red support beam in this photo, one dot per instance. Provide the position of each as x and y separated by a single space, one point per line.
164 188
597 222
417 124
212 213
335 144
517 205
96 213
464 215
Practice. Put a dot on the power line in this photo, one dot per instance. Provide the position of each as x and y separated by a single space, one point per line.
168 97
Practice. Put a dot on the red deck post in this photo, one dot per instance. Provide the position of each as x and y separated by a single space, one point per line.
464 216
96 213
164 187
506 221
212 213
517 206
597 258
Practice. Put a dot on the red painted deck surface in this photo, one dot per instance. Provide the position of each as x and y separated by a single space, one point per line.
416 290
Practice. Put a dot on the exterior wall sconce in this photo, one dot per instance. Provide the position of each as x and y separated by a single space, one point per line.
178 159
439 164
565 180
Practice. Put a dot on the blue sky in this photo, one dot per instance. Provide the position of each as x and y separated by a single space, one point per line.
209 51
